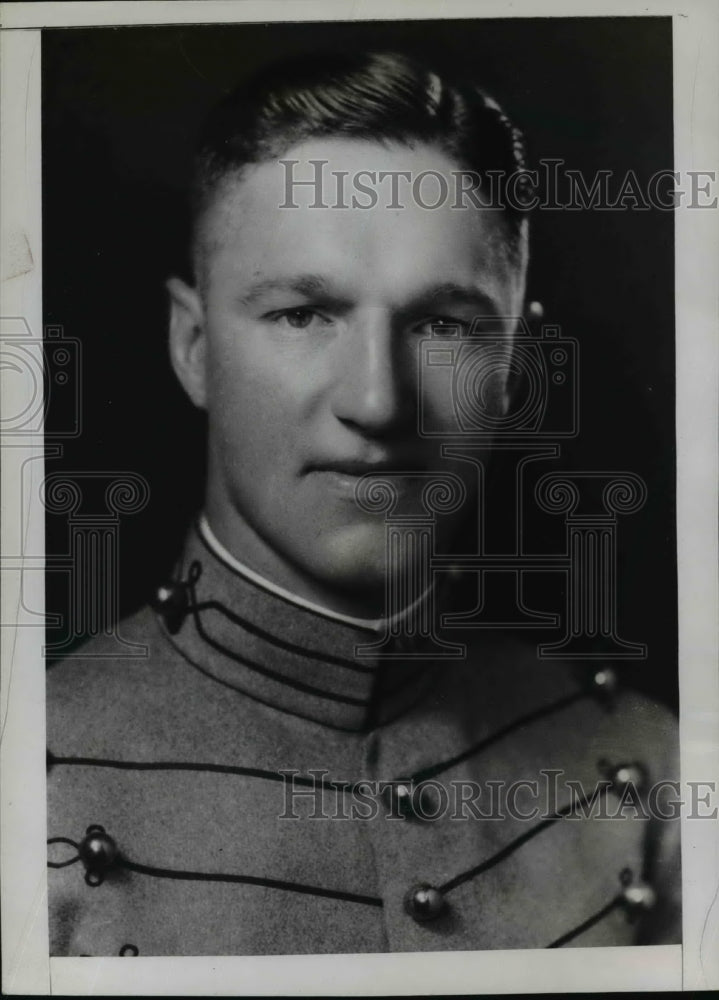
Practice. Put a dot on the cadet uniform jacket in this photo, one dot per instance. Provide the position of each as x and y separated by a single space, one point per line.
252 786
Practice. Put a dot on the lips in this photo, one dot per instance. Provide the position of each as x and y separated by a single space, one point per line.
360 467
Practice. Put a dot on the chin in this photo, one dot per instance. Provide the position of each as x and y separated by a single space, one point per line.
355 561
354 557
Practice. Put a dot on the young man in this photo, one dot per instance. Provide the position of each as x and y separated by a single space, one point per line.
304 763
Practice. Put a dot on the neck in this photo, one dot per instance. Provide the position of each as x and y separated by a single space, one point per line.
243 547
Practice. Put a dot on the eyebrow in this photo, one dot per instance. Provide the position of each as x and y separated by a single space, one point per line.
459 295
309 285
314 286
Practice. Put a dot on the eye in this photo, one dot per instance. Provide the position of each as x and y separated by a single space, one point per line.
299 318
443 326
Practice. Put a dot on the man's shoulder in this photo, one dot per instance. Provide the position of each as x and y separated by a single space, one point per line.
109 656
108 680
590 705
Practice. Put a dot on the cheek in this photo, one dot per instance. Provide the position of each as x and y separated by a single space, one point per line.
261 399
464 389
239 397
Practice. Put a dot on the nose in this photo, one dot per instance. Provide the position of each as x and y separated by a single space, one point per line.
373 378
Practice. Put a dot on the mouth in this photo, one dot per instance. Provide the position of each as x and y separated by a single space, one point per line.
341 477
356 468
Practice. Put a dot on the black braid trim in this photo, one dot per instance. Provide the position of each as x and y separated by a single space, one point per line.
585 926
269 883
518 842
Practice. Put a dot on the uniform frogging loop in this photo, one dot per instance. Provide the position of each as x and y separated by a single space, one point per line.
423 902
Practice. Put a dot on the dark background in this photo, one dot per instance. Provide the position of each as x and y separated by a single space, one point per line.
120 110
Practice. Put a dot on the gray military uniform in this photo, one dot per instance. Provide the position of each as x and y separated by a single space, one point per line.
176 765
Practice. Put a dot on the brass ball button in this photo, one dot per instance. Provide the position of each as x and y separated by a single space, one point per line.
625 775
639 896
171 602
401 798
98 852
418 801
423 902
604 683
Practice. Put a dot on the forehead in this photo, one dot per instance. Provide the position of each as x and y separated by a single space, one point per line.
347 224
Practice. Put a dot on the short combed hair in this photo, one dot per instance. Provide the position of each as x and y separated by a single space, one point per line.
376 96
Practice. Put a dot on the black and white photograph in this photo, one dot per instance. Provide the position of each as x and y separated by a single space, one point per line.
352 438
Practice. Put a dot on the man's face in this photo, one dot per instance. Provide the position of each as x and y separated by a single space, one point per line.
305 355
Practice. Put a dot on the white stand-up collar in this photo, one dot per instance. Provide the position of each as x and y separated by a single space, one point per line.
370 624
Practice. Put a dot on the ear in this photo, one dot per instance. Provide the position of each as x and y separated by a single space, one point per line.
187 340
